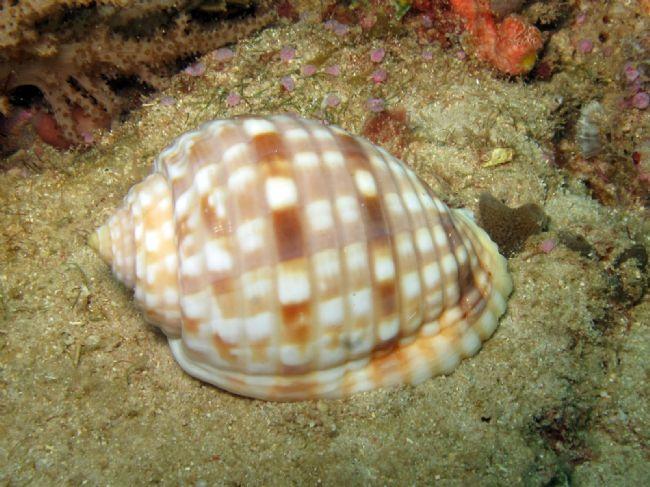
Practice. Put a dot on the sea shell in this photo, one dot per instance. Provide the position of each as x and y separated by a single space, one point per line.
289 260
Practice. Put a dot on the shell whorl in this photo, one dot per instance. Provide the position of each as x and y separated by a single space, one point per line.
289 260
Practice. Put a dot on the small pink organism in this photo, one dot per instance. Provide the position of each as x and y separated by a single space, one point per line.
375 104
223 54
333 70
379 76
287 53
195 69
233 99
288 83
548 245
377 55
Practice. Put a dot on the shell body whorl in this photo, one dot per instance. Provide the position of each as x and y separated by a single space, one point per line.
288 260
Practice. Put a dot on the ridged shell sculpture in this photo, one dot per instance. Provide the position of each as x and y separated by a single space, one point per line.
289 260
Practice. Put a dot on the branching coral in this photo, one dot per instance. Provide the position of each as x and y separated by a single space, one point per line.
72 50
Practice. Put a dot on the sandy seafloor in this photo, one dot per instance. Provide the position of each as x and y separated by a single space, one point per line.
90 394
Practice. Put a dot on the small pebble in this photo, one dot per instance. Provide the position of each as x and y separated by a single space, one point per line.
288 83
92 342
332 100
337 27
334 70
379 76
462 55
196 69
223 54
341 29
167 101
233 99
309 70
375 104
377 55
585 46
287 53
641 100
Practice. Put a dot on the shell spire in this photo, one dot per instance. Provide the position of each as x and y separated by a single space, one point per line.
139 244
286 260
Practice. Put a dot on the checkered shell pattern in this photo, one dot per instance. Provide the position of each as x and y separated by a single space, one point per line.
288 260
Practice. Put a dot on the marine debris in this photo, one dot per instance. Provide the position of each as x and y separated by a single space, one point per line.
80 55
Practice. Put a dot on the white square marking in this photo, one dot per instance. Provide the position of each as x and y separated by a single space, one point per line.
204 179
170 295
260 326
196 306
217 256
281 193
439 235
412 202
348 209
183 203
256 285
360 302
217 200
171 262
365 183
423 240
293 285
331 312
240 179
319 214
292 355
167 230
146 198
333 158
432 275
306 159
326 265
295 135
255 126
236 153
411 285
388 329
229 330
394 204
405 244
192 265
250 235
384 267
356 258
152 241
449 264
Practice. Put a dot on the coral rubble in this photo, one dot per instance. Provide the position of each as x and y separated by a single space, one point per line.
78 52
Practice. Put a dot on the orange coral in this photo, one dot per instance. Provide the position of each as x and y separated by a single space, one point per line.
511 45
71 49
